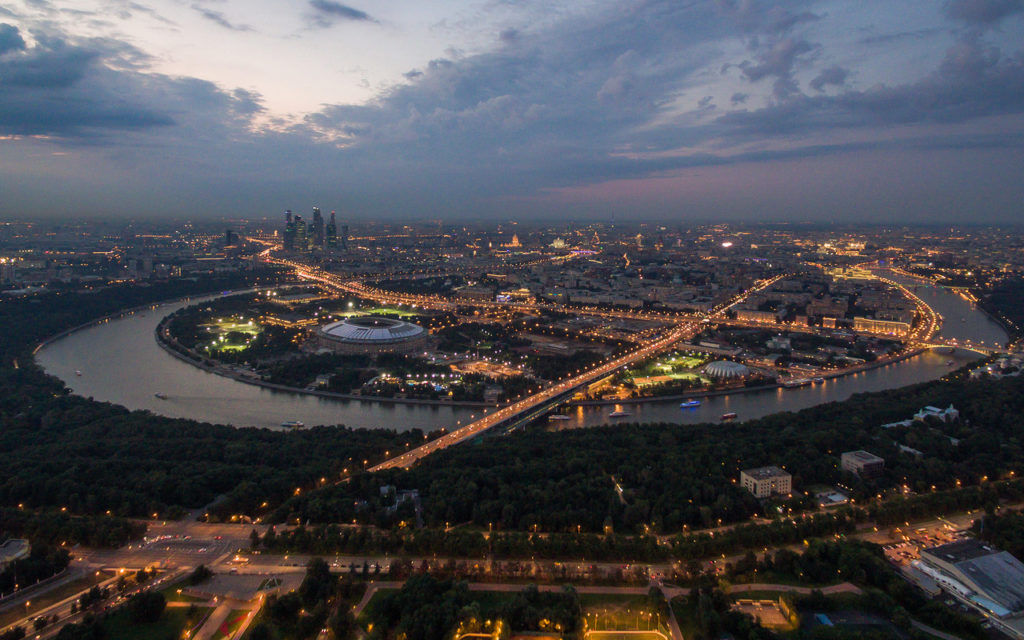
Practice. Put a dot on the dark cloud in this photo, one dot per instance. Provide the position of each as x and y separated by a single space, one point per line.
983 12
54 65
619 93
777 61
86 91
10 39
754 16
508 35
218 18
916 34
973 81
832 76
330 11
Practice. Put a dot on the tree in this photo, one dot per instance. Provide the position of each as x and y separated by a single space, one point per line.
200 574
343 625
146 607
261 632
318 584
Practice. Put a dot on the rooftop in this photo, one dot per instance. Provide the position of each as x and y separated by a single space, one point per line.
764 473
998 574
863 456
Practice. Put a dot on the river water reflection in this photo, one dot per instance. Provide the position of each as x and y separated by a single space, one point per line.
120 362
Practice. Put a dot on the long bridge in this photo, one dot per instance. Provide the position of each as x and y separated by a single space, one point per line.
683 326
541 401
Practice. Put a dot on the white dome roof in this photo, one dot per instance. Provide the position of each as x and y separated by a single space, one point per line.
726 369
371 329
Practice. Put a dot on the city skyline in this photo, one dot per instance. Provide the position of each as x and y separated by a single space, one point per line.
737 110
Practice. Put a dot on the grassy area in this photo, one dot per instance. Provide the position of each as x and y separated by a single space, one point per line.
615 635
173 593
686 616
368 611
380 311
676 365
172 624
609 600
43 600
373 311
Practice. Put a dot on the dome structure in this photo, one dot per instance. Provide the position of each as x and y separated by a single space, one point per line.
726 370
371 334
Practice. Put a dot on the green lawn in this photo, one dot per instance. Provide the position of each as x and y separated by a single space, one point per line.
378 311
171 593
613 635
172 624
609 600
686 616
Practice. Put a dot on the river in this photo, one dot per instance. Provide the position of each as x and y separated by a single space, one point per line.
120 362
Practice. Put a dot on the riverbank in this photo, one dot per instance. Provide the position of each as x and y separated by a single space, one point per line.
867 366
122 313
174 348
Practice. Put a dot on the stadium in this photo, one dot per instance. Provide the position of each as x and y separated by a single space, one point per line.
370 334
726 370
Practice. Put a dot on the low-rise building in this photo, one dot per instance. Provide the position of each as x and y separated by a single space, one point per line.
988 578
766 481
949 414
881 327
13 549
863 463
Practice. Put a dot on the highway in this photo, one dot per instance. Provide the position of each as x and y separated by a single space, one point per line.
680 332
683 327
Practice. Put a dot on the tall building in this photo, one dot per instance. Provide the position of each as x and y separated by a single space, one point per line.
301 234
331 234
230 238
316 231
289 231
344 237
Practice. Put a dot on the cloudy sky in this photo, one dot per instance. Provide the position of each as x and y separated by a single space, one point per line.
680 110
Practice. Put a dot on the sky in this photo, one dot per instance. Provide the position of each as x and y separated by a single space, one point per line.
901 111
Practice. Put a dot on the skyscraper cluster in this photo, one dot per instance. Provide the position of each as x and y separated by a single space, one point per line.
315 236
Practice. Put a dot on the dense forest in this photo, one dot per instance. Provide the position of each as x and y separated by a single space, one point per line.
472 543
1006 301
42 563
430 608
63 451
1005 531
673 477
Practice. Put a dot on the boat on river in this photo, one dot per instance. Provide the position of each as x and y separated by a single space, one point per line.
689 404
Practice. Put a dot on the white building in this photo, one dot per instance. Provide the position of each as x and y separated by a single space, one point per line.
766 481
